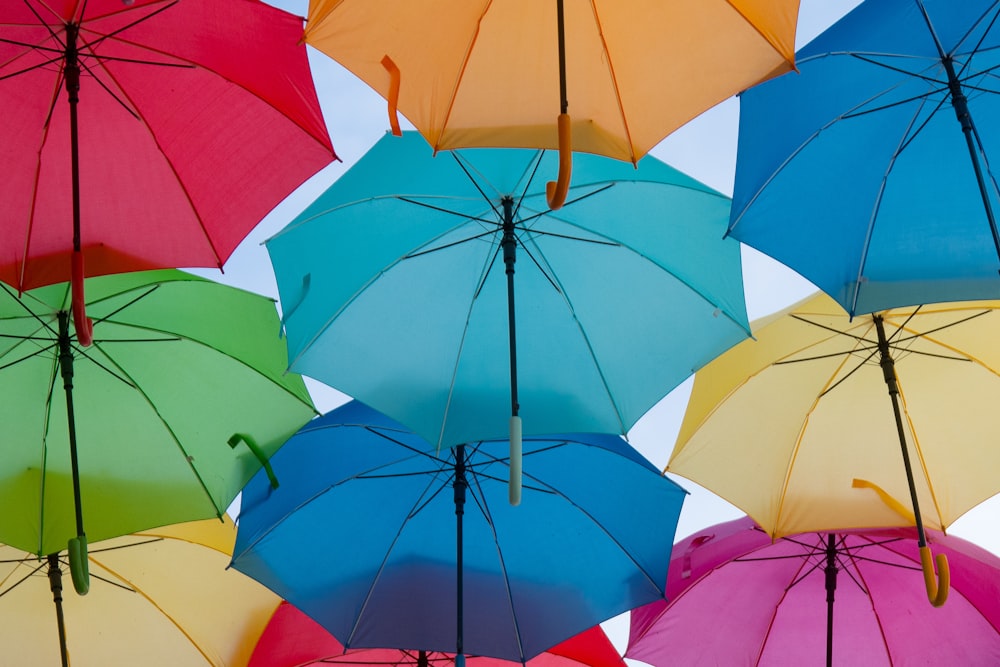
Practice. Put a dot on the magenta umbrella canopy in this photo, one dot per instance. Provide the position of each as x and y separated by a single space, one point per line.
737 598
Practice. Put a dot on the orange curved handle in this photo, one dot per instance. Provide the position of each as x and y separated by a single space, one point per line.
556 190
937 587
393 98
84 327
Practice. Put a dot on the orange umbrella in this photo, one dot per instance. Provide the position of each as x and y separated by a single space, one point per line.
494 74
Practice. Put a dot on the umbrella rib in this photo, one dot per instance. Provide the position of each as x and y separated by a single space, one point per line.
480 500
130 586
468 174
791 157
627 131
650 579
173 436
23 579
418 504
583 335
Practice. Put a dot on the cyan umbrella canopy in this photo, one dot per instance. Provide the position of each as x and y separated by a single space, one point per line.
869 171
362 535
394 291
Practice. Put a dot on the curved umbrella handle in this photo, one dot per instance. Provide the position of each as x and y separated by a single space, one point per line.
393 97
84 326
937 587
79 566
555 191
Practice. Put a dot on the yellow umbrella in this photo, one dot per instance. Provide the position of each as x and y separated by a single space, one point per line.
159 597
796 427
472 73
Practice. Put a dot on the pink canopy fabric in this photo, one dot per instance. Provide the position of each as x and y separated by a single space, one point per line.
195 119
737 598
292 639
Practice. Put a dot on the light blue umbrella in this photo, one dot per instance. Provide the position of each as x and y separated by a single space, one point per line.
398 286
869 170
386 544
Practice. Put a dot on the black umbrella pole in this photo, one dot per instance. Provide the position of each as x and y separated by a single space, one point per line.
961 105
509 245
78 545
55 585
460 484
937 591
831 587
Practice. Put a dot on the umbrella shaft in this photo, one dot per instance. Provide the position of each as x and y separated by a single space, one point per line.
509 245
55 585
889 373
72 73
460 485
961 105
66 369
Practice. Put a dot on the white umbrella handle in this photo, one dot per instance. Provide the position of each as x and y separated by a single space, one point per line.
514 484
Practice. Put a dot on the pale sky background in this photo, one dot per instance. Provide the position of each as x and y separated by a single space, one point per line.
705 149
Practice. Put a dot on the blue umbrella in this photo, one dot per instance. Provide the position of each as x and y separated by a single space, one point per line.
405 269
868 172
361 536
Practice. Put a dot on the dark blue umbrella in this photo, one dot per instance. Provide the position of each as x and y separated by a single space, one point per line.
869 171
361 536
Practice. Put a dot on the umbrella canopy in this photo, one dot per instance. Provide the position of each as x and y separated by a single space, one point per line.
738 598
423 552
152 159
178 366
292 639
856 173
795 428
619 76
160 598
405 269
801 412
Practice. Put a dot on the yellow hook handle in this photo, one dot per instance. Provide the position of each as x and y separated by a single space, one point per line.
393 98
556 190
937 587
890 502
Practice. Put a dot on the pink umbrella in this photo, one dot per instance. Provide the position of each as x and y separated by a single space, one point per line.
737 598
292 639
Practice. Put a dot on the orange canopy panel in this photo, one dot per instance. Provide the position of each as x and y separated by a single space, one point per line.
482 73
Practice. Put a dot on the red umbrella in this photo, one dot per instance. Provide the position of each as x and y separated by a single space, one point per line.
292 639
183 122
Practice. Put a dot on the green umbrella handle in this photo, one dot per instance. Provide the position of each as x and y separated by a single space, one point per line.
83 324
514 483
556 190
255 449
937 587
393 97
79 566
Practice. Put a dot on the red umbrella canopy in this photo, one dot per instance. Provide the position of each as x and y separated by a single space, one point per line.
292 639
195 118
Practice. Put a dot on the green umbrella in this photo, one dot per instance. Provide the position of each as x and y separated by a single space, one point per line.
179 401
